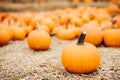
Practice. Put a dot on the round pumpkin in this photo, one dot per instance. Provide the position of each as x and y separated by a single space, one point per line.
49 23
112 37
66 33
81 57
4 36
76 21
94 34
118 22
39 40
19 33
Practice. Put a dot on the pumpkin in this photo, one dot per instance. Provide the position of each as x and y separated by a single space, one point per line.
86 16
94 34
80 58
8 28
63 19
66 33
44 27
4 36
36 19
19 33
78 31
113 8
118 22
76 1
39 39
112 37
87 1
76 21
106 24
49 23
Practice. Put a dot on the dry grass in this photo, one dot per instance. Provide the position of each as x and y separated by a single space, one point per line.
17 61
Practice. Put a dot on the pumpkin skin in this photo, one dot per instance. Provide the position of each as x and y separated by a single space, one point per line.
19 33
111 37
4 37
76 21
39 40
118 22
80 58
67 34
106 24
94 35
49 23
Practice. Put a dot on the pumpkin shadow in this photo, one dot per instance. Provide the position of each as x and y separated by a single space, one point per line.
93 73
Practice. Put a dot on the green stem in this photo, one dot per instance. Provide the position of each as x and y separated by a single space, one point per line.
81 38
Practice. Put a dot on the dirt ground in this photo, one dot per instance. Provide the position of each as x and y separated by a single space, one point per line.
19 62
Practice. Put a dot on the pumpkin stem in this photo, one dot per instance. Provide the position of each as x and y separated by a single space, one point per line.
67 24
113 21
81 38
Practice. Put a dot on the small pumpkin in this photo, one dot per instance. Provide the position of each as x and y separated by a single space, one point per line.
86 16
94 34
81 57
66 33
49 23
63 19
39 39
19 33
106 24
4 36
76 21
112 37
118 22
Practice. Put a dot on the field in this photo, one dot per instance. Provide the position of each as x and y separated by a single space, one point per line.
17 61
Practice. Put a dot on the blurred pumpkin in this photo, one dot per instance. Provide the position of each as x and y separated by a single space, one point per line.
106 24
94 34
113 8
81 57
4 36
39 39
49 23
112 37
66 33
19 33
118 22
76 21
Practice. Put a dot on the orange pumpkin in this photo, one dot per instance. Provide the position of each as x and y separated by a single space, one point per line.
94 34
76 21
39 40
86 16
106 24
43 27
118 22
76 1
113 8
63 19
87 1
66 33
81 57
4 36
112 37
49 23
19 33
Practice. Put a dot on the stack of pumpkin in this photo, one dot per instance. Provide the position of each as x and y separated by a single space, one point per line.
65 24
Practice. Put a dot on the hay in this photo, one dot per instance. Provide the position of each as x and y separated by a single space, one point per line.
17 61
